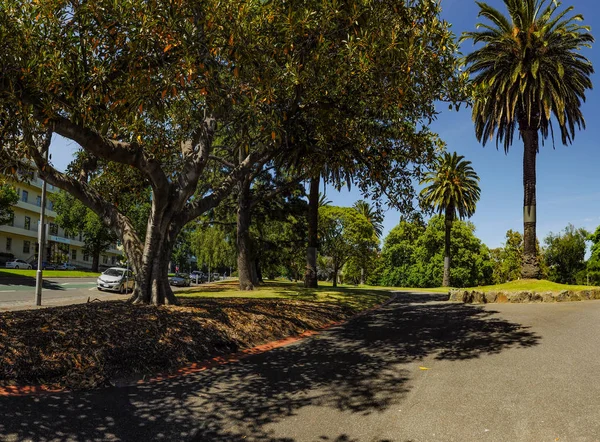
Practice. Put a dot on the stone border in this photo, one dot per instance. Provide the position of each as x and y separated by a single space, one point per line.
477 297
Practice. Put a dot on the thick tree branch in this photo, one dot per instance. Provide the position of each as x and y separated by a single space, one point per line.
90 198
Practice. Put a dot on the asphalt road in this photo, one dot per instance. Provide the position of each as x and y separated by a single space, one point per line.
416 370
19 293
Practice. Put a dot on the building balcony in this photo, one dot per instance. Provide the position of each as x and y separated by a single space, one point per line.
35 209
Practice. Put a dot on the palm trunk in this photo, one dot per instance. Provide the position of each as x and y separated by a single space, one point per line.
310 277
243 237
449 220
530 268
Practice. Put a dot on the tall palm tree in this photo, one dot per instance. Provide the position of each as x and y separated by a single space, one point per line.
452 189
528 69
373 215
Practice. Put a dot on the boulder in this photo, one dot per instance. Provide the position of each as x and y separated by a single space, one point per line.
595 293
548 297
563 296
501 298
536 297
491 297
478 297
586 294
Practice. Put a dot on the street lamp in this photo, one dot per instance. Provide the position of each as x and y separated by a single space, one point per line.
41 242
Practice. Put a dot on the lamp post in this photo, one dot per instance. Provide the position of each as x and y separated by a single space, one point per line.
42 243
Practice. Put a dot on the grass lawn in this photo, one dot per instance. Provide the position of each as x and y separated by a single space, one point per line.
87 345
358 298
11 273
531 285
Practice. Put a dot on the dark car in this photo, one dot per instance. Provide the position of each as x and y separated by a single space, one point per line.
180 280
198 277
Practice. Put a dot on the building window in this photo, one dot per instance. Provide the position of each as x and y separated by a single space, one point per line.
8 244
49 205
113 260
38 201
86 256
27 225
74 255
26 245
80 237
53 229
11 221
24 196
104 259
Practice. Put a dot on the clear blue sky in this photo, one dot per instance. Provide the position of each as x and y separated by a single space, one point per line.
568 177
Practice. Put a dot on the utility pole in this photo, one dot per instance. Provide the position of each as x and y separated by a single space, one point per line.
41 242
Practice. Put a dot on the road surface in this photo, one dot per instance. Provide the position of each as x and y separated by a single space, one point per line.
19 293
416 370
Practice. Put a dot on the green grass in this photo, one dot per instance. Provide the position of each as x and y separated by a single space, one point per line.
530 285
11 273
357 298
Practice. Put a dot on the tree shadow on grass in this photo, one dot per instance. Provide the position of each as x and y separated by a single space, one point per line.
356 368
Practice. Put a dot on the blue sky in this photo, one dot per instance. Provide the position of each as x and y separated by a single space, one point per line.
568 177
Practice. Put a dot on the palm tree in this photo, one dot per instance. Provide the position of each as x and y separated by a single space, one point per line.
453 189
528 69
373 215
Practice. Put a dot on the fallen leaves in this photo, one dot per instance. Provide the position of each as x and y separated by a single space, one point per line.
86 346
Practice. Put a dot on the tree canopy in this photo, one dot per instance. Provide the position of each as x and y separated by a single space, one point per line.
183 98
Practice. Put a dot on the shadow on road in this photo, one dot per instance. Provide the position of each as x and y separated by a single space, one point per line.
27 281
356 368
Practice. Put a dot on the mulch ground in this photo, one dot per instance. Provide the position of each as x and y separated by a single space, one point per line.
87 345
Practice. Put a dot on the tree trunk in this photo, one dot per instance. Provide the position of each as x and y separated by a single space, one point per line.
151 269
310 276
335 275
243 237
530 267
95 261
362 276
449 219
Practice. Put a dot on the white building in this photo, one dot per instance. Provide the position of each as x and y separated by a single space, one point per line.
20 236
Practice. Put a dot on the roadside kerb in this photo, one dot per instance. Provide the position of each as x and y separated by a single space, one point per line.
26 390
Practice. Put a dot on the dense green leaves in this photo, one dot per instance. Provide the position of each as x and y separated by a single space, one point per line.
565 254
8 197
413 255
529 68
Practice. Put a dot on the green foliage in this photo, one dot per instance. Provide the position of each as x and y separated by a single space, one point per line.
528 68
565 254
507 260
212 247
345 233
593 263
452 187
75 218
8 197
413 255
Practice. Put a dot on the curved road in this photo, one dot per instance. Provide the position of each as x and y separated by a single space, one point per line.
417 370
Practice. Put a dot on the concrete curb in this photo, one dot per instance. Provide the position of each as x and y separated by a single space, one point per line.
196 367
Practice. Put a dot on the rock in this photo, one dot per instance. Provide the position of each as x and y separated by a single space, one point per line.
563 296
586 294
574 296
519 297
491 297
478 297
501 298
548 297
536 297
595 293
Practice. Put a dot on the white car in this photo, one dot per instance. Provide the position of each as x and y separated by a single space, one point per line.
18 264
116 279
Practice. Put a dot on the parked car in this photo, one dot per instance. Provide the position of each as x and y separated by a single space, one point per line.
18 264
215 277
66 266
180 280
45 266
198 277
116 279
